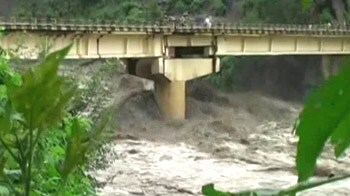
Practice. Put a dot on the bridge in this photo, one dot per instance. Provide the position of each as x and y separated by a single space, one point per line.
170 54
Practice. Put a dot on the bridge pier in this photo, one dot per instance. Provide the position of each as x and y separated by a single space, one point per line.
171 98
170 77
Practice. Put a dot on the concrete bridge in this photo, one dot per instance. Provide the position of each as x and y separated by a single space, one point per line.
170 54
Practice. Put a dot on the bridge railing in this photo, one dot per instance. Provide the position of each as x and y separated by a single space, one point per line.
172 25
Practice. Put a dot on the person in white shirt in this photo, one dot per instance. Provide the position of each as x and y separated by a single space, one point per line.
207 21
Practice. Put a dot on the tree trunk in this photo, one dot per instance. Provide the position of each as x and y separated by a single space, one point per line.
234 12
339 8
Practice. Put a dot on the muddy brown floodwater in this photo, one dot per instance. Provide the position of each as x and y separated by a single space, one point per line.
237 141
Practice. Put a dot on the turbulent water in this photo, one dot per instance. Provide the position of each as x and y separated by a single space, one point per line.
151 168
238 141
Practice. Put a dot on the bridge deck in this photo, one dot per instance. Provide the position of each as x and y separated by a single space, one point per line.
105 39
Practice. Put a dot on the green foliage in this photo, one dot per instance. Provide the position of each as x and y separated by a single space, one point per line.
326 8
41 112
326 115
219 7
326 17
228 72
29 113
225 78
51 151
8 75
182 6
196 6
38 155
232 68
137 11
154 11
269 11
132 11
306 3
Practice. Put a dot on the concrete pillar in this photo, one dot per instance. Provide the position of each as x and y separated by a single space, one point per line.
170 76
171 98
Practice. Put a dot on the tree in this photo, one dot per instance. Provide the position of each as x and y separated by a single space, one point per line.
154 12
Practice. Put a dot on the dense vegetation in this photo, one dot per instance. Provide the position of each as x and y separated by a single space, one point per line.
142 10
43 148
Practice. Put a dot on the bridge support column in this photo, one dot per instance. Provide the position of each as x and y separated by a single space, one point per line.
170 76
171 98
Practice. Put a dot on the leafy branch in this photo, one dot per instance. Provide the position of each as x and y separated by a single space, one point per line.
31 107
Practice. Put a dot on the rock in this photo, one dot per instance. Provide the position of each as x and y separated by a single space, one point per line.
165 158
133 151
140 192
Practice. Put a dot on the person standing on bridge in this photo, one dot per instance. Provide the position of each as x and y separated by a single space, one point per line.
207 22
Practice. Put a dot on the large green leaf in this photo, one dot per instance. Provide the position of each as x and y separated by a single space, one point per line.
341 136
209 190
44 94
326 111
